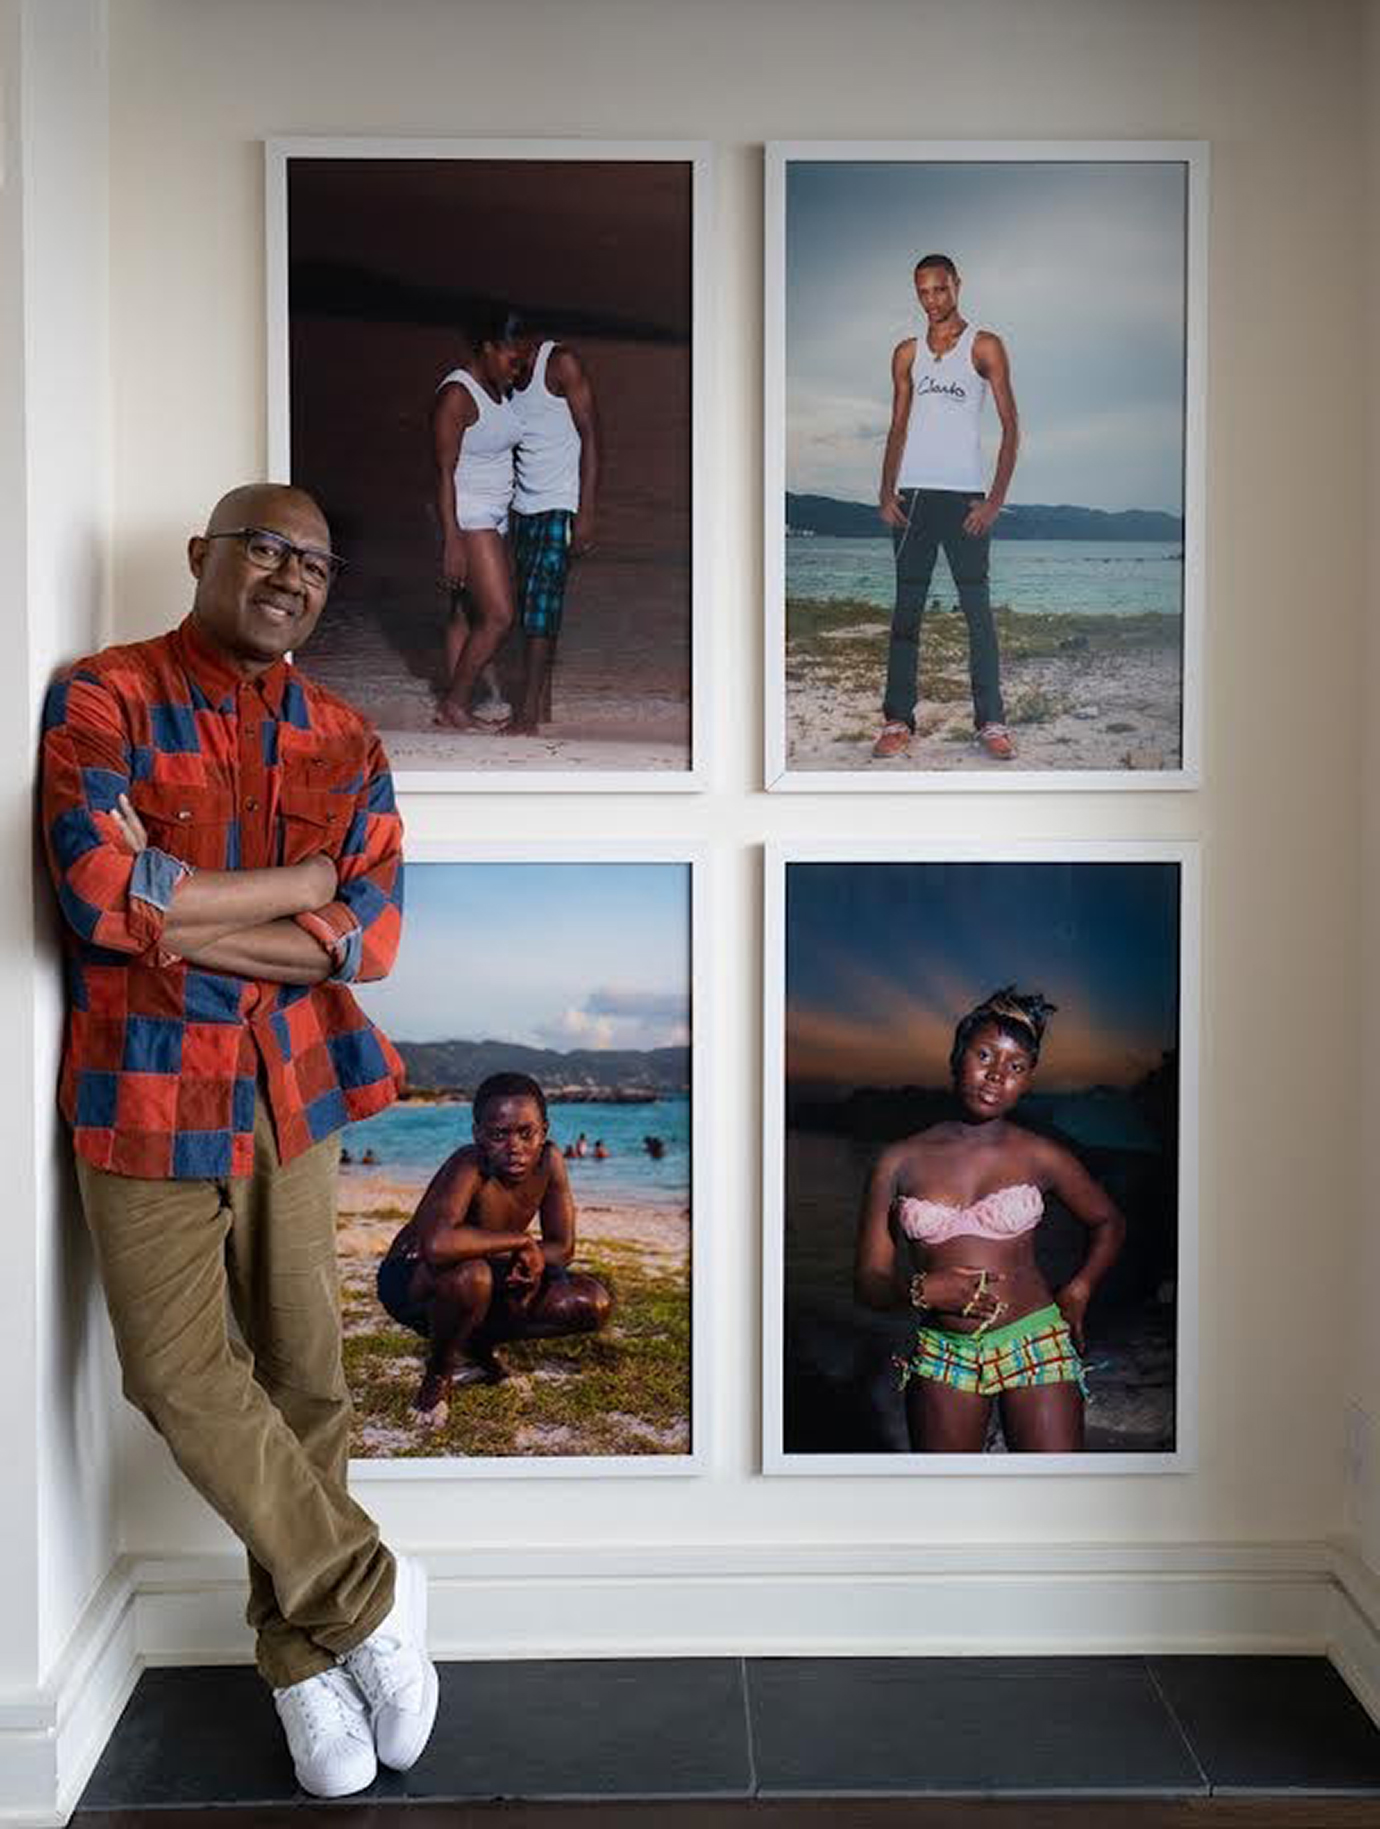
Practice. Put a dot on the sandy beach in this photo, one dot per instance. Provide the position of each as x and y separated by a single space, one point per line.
1081 692
592 1395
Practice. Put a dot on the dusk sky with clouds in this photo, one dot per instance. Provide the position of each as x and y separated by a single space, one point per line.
882 960
549 955
1079 267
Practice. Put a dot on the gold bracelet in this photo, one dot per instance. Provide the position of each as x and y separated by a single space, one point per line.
917 1289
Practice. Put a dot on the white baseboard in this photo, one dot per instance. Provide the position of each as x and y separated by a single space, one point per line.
762 1602
50 1741
731 1601
1354 1641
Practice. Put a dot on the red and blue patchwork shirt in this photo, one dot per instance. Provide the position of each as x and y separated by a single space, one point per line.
162 1058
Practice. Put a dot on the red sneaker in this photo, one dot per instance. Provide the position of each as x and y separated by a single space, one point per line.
996 740
892 740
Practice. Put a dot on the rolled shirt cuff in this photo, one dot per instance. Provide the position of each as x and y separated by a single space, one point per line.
336 930
155 876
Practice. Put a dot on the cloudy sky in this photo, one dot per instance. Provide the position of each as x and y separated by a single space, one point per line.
1078 267
550 955
882 960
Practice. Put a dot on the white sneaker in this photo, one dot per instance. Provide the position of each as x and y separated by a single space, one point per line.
394 1674
491 711
328 1735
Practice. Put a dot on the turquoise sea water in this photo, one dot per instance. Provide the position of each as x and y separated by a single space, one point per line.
1079 577
412 1141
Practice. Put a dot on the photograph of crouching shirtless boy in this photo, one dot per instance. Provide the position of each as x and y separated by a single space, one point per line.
467 1272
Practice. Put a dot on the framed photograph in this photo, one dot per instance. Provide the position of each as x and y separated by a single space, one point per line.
486 359
984 442
520 1273
981 1159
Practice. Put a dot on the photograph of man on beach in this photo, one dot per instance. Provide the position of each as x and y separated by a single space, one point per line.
984 461
514 1234
489 381
982 1227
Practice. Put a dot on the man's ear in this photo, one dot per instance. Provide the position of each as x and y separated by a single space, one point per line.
196 554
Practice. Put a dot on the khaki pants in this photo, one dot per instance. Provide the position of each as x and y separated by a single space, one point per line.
260 1426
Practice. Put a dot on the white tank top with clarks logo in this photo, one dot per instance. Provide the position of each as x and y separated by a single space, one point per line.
943 448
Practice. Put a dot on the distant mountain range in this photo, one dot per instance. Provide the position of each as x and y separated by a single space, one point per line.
822 514
600 1073
1099 1117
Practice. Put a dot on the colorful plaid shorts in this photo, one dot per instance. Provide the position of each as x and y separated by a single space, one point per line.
1037 1349
541 558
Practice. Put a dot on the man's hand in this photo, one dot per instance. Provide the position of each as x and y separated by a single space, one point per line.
891 510
582 533
981 517
455 565
129 824
525 1273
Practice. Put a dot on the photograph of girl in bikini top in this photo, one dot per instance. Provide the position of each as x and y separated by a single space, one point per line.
948 1226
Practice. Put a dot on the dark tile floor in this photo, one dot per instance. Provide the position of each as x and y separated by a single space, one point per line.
788 1728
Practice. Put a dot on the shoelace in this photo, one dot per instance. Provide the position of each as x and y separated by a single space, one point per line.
382 1667
329 1705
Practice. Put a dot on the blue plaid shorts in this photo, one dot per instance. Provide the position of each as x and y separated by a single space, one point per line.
541 555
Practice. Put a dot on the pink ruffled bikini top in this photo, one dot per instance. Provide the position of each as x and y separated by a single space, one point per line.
1004 1213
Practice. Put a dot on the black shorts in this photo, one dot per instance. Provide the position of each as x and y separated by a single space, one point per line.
395 1279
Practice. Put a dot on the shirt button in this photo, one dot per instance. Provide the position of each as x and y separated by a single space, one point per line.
252 804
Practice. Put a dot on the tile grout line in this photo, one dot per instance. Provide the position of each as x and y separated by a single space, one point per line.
1172 1712
747 1723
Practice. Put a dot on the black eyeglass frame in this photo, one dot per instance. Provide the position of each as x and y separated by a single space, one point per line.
286 550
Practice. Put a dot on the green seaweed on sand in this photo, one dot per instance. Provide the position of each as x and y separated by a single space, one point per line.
625 1391
817 630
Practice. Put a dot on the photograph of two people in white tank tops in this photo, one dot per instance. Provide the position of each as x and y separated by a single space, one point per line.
516 443
488 378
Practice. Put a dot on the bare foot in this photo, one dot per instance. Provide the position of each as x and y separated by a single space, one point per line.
482 1368
433 1411
523 726
448 713
490 1364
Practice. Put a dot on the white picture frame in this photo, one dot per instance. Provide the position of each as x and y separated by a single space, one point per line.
382 1471
418 774
1182 1458
980 775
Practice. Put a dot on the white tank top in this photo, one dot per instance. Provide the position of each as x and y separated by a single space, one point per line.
484 474
943 444
548 450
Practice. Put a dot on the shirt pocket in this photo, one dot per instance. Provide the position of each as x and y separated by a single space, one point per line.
333 767
190 823
311 820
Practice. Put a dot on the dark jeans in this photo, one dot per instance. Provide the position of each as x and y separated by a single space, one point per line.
934 519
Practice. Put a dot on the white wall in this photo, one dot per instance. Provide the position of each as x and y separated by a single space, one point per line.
1277 90
1362 1440
67 271
65 274
18 1385
57 1529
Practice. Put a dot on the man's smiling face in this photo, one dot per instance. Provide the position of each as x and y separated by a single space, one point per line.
251 614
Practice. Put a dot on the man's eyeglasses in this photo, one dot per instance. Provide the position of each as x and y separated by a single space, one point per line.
268 551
